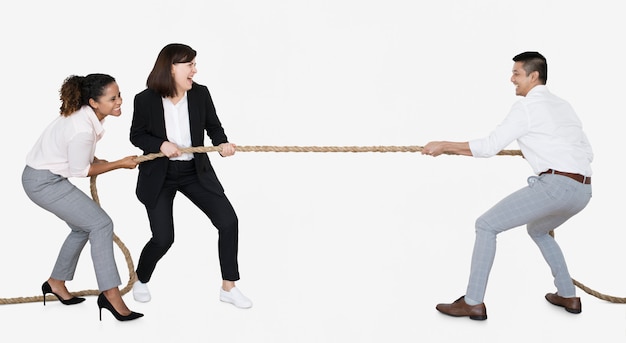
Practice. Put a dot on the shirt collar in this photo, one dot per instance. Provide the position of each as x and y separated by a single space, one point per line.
90 114
537 89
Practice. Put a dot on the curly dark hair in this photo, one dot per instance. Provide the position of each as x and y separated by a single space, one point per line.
77 90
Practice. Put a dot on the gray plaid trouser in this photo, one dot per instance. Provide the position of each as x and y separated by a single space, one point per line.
86 219
546 203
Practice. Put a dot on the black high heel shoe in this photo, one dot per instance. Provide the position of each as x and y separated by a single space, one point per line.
45 289
103 302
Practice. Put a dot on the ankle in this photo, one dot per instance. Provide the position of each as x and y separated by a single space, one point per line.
471 302
56 284
58 287
114 297
228 285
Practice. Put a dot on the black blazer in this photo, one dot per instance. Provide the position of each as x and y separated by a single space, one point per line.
147 132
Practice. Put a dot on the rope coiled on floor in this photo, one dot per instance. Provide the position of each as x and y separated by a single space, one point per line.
257 148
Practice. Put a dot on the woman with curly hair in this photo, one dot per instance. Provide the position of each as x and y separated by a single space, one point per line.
66 149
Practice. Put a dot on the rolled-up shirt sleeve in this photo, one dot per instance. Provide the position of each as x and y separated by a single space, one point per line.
514 125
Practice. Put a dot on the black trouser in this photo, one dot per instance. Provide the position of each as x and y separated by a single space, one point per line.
182 177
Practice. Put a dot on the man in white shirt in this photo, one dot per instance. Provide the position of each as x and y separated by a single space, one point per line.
552 141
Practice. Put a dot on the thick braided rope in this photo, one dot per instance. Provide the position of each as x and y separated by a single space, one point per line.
257 148
265 148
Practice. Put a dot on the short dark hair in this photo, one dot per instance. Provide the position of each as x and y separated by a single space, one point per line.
534 61
160 79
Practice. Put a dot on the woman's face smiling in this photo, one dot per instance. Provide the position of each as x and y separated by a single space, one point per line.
109 104
183 75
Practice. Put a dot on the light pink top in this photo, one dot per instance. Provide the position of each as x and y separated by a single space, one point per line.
67 146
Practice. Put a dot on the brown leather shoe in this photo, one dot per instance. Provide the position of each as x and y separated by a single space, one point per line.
572 305
460 308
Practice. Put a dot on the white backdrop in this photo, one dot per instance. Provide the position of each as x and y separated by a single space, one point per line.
334 247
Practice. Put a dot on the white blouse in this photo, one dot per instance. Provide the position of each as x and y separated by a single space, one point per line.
68 145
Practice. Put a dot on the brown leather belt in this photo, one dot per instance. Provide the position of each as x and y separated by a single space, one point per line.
578 177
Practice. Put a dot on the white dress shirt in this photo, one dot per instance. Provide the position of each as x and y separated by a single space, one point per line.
548 132
177 125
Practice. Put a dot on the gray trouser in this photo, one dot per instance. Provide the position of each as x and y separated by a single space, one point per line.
86 219
546 203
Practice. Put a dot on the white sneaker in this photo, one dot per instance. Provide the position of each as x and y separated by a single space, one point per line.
235 297
141 292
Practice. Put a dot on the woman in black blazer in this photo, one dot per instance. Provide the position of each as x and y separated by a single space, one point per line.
174 112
